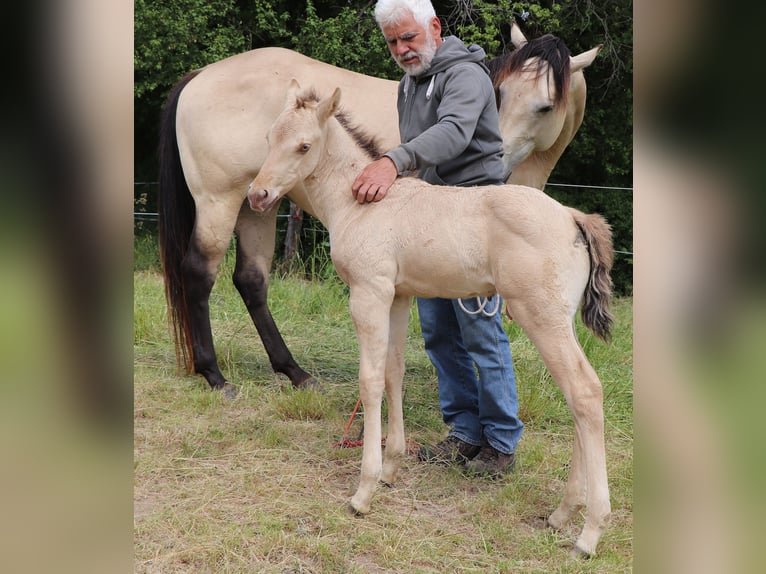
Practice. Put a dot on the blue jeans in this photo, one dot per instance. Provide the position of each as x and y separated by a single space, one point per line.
477 385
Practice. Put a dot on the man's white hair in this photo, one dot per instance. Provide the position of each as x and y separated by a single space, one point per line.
391 12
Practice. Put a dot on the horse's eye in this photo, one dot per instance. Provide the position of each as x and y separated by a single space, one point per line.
304 148
545 109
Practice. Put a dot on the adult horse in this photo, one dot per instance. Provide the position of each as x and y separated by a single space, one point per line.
541 93
543 258
212 142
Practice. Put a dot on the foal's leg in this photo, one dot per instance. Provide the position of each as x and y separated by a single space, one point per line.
397 340
213 228
256 234
575 495
555 339
371 320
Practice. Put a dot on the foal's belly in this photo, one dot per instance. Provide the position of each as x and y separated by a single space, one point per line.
445 279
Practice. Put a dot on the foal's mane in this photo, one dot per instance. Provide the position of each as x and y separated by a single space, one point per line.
548 49
364 140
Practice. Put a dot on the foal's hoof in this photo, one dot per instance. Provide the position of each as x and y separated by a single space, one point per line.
355 512
357 509
228 390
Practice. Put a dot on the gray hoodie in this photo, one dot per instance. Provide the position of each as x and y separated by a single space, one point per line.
448 120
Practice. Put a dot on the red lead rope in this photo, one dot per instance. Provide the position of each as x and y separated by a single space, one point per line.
412 446
344 442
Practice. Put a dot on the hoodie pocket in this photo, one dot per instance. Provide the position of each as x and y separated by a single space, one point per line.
432 176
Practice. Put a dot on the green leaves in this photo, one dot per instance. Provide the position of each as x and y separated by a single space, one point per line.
174 37
346 39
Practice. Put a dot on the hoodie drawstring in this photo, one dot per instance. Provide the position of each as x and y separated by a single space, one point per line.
430 88
428 91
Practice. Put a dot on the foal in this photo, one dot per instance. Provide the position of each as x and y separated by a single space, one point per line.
450 242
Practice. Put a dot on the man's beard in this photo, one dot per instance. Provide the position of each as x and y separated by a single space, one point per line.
426 56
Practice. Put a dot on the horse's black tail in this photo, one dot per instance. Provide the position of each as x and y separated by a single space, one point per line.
176 222
598 293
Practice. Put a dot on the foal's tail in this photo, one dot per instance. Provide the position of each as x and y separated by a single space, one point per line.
598 293
176 222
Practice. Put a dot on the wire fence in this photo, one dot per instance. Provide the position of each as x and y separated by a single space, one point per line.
152 216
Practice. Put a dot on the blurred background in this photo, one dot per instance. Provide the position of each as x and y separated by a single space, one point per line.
67 234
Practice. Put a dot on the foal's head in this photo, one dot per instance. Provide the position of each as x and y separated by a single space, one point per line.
295 142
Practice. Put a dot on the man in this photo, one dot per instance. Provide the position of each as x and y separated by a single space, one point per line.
450 135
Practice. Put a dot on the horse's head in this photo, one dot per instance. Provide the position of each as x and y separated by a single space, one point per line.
295 142
532 86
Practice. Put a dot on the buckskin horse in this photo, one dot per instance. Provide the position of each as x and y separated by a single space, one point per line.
212 143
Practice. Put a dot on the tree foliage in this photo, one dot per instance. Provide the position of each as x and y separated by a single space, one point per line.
173 37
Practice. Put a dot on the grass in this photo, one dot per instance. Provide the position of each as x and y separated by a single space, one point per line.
257 485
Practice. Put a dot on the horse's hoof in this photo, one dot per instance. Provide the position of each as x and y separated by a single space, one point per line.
228 390
579 553
309 383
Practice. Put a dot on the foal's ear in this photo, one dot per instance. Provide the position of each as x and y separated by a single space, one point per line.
329 106
292 93
583 60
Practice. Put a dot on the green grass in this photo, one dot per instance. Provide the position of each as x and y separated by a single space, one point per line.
256 485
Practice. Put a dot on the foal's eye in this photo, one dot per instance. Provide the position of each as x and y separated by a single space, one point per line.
303 148
545 109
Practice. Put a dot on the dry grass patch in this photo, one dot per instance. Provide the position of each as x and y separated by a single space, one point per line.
256 485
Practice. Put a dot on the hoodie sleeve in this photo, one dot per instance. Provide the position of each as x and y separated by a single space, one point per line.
466 88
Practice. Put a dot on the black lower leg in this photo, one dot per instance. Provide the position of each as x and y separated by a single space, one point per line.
199 282
253 287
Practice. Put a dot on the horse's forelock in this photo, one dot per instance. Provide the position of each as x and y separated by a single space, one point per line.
547 49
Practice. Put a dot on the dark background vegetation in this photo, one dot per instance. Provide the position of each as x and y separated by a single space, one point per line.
173 37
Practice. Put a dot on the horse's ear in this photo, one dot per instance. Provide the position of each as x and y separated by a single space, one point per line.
583 60
517 36
328 107
292 93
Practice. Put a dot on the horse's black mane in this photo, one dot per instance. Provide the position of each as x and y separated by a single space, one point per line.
548 48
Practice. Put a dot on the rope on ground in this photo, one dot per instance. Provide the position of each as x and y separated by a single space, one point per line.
345 442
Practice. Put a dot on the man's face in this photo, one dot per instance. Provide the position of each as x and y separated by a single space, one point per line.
412 46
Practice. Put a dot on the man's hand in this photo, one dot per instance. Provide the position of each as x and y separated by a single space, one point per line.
373 183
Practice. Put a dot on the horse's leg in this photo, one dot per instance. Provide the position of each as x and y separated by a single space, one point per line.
397 337
213 228
371 321
554 338
255 249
